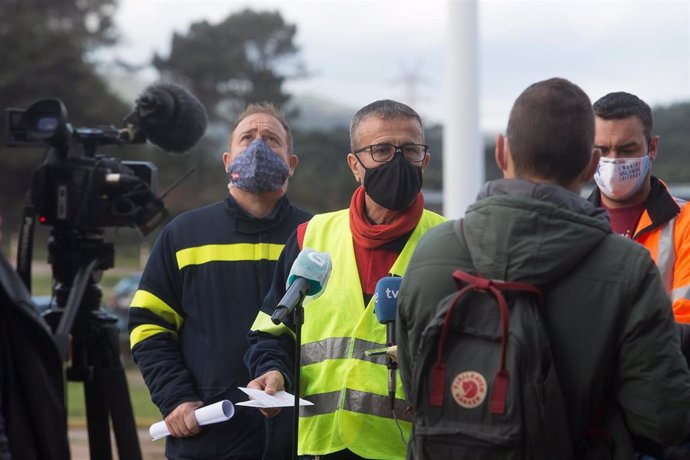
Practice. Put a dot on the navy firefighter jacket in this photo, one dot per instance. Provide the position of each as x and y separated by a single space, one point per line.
202 287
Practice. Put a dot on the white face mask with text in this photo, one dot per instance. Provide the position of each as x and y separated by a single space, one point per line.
621 178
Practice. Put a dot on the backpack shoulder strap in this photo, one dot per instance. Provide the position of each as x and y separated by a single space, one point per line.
467 282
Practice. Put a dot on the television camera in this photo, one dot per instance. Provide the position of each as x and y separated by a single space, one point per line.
79 193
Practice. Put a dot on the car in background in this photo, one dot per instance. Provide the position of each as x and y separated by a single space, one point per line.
43 302
118 305
123 292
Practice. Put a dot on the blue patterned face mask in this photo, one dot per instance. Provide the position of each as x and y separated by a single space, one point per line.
258 169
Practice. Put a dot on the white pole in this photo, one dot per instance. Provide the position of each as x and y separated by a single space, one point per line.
463 156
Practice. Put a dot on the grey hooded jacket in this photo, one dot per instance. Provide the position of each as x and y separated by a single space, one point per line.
609 319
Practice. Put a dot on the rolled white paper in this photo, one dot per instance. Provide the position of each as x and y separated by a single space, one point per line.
214 413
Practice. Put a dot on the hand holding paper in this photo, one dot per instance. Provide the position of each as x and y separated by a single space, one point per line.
214 413
262 399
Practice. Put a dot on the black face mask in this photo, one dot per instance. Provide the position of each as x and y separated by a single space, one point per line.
393 185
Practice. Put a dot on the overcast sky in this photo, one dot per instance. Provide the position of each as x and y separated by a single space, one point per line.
360 51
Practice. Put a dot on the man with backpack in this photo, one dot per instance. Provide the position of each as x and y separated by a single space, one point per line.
528 329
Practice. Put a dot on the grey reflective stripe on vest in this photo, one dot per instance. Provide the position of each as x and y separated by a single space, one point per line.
339 348
324 403
363 345
355 401
666 255
331 348
372 404
681 292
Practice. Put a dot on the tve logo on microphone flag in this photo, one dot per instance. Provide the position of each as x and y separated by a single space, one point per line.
313 266
386 298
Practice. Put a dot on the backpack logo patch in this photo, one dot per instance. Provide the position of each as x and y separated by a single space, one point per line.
469 389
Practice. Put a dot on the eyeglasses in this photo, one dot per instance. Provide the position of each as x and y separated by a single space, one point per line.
383 153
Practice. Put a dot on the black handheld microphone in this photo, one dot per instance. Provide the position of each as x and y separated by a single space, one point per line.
308 276
386 308
170 117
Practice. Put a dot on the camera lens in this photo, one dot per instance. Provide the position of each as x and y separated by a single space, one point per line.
47 124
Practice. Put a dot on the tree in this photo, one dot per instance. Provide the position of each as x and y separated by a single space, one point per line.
322 155
47 51
246 58
672 124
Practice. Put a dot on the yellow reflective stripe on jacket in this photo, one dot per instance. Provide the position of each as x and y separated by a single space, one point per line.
350 391
263 323
227 253
148 301
143 332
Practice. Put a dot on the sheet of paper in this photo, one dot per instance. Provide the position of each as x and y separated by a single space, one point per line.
259 398
213 413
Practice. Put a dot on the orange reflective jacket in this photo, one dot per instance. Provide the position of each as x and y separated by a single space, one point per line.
664 229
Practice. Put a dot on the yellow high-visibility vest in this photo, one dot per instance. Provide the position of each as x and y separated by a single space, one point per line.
349 391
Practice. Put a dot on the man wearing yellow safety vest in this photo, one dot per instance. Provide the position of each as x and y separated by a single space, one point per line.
639 205
200 291
351 416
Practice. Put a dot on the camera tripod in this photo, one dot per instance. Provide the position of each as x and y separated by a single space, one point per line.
78 259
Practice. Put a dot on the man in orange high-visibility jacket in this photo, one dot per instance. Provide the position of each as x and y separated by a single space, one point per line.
639 205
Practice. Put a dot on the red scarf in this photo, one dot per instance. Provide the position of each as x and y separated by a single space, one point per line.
368 235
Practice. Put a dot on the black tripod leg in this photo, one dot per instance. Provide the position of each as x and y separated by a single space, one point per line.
97 418
114 386
69 316
122 414
96 362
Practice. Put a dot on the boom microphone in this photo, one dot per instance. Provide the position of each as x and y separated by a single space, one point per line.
170 117
308 276
386 308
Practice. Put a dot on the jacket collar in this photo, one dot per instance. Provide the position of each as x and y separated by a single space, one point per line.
524 231
660 205
552 193
244 223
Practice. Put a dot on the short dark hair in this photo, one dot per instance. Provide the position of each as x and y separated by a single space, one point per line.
385 109
619 105
268 109
551 131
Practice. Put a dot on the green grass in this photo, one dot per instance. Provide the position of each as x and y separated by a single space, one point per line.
145 412
42 283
